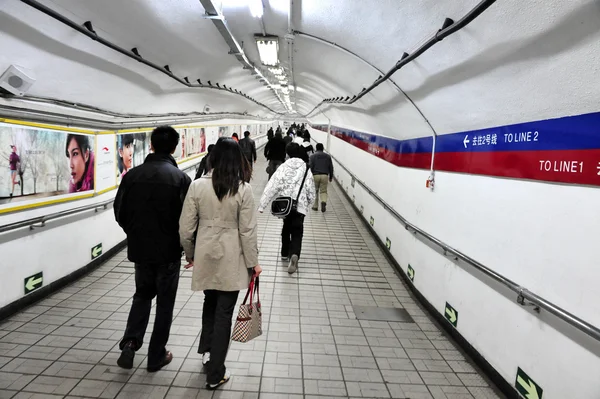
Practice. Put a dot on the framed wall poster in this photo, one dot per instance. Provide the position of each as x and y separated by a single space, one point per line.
42 163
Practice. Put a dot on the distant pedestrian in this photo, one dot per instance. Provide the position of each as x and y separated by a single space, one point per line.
275 153
248 147
321 166
203 167
147 206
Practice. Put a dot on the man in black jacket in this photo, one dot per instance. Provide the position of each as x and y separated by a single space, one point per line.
275 153
148 206
248 147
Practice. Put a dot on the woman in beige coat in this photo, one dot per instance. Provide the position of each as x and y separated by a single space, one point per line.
219 236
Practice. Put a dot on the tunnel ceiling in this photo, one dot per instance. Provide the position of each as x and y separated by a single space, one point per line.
517 61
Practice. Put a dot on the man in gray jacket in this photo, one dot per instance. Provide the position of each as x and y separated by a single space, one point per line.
321 167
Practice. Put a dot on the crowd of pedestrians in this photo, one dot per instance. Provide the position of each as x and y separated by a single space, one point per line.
213 221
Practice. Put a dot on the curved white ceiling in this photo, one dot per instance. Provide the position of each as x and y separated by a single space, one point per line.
518 61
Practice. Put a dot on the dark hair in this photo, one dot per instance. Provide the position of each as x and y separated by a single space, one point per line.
164 140
246 134
235 135
82 142
125 139
294 150
210 147
279 135
320 147
229 167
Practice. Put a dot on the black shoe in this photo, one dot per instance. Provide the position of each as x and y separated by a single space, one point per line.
168 359
323 206
127 354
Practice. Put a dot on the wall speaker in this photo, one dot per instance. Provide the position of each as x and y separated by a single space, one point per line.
206 108
16 81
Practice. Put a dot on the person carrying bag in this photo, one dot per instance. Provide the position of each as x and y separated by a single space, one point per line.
291 180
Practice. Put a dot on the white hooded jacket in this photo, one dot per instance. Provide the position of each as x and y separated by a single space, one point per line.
286 181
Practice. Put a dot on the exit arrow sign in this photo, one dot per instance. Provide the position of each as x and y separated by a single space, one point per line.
362 209
388 243
451 314
527 387
372 221
411 273
96 251
34 282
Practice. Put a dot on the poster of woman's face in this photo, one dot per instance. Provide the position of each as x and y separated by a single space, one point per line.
132 150
44 163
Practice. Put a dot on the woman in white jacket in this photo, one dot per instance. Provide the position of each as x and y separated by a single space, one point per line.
286 181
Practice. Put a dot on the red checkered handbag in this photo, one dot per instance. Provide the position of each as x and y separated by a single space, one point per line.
248 324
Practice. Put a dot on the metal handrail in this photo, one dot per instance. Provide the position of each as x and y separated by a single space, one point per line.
523 294
448 28
88 30
43 219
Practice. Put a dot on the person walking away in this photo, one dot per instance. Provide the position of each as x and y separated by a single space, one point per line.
147 206
288 138
218 230
286 182
248 147
321 166
13 163
275 153
203 167
270 134
308 148
235 137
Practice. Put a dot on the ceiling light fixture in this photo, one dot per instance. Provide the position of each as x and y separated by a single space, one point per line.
256 8
268 49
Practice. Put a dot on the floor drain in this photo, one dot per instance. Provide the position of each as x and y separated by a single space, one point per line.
382 314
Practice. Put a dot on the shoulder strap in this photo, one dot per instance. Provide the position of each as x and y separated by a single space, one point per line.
302 185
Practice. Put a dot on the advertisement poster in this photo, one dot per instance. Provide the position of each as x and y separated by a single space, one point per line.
212 135
105 162
224 131
42 163
132 149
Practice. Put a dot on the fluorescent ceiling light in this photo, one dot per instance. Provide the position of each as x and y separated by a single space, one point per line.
291 87
276 86
268 50
276 71
256 8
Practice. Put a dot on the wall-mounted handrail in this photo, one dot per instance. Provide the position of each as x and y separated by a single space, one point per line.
88 30
523 293
448 28
40 221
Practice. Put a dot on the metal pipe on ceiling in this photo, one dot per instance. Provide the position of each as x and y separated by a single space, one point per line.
234 47
450 27
87 30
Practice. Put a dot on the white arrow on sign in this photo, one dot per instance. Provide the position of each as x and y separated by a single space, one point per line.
97 251
466 140
451 315
598 167
32 282
529 386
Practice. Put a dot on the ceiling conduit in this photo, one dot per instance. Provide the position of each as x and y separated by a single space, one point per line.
87 29
449 27
234 47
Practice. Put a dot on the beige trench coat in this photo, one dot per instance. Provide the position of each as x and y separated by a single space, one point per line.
221 236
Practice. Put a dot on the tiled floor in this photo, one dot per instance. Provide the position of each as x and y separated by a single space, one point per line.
313 346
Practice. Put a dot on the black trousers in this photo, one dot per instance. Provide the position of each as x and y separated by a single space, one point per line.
291 234
151 281
216 331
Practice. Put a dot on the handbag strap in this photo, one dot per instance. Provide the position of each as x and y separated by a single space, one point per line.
302 185
252 287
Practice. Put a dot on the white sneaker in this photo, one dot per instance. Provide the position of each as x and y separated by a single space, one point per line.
293 266
205 358
225 378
